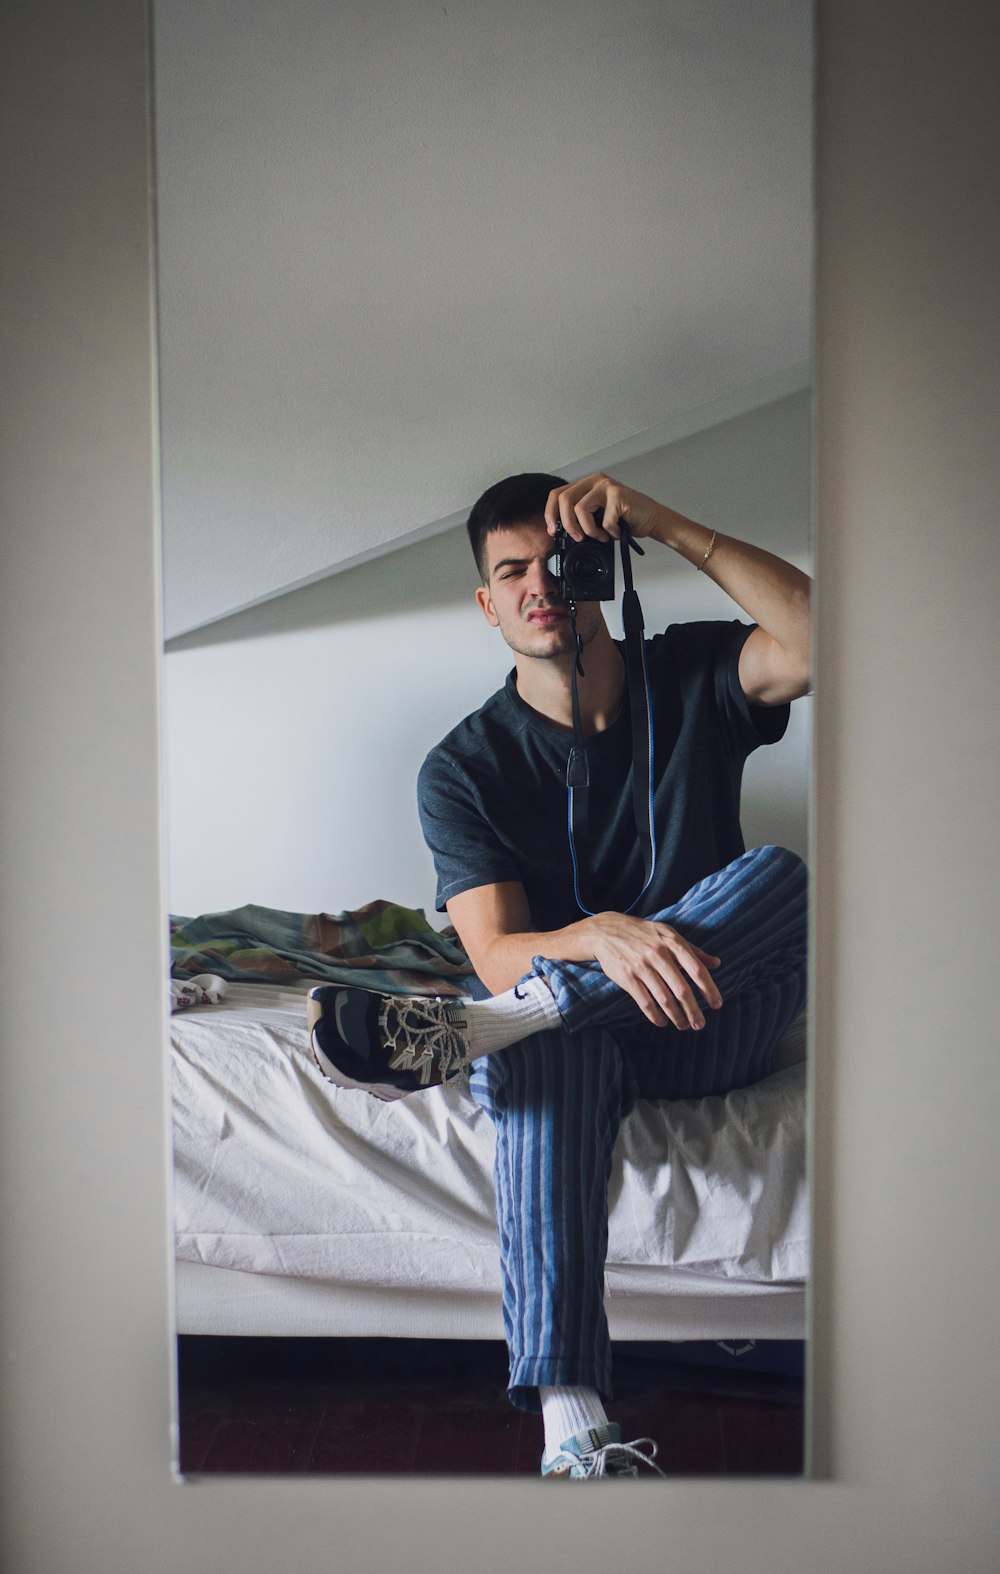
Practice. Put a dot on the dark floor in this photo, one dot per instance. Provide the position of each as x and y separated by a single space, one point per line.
421 1407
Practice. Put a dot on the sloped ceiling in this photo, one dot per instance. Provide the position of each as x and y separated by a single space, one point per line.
407 248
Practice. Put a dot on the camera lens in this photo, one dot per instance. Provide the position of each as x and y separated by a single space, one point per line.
587 568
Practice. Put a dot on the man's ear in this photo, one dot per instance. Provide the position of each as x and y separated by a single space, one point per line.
486 605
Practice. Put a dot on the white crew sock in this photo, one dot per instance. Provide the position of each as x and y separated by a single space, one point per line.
506 1019
566 1411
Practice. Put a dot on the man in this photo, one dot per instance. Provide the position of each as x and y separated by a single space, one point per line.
680 991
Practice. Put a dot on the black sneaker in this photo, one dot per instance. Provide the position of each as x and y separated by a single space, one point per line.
388 1045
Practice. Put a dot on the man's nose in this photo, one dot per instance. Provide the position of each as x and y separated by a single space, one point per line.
541 582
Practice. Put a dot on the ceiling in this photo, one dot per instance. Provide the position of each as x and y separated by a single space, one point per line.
405 249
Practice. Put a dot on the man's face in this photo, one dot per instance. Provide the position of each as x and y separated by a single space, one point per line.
521 598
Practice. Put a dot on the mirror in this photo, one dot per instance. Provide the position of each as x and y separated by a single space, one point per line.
403 251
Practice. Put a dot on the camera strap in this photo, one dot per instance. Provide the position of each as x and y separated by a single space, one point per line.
640 711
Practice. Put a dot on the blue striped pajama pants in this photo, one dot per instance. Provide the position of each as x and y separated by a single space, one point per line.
557 1099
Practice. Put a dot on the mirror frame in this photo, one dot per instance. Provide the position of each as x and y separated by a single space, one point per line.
81 598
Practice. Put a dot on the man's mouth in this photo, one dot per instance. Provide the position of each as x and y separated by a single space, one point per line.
545 616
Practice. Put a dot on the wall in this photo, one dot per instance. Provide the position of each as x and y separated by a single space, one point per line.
906 1162
379 273
295 730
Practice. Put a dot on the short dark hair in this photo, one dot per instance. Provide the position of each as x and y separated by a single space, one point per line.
512 501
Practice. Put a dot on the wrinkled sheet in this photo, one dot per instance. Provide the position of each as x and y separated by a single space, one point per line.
279 1172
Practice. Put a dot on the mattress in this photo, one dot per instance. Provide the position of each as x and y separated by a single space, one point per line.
323 1206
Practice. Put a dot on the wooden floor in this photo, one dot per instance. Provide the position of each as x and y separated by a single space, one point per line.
377 1407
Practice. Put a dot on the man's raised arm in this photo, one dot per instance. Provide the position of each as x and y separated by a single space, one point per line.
649 960
775 660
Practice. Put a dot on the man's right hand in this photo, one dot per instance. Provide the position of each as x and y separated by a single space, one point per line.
654 964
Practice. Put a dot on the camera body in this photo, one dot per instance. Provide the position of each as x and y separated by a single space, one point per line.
585 569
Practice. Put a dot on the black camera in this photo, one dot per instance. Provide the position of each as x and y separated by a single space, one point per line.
585 569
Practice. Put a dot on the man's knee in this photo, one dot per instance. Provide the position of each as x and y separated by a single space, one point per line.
778 870
779 859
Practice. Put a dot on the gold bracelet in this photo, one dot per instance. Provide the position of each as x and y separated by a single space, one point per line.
708 554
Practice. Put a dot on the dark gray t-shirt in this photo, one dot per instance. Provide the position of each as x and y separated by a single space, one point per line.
493 802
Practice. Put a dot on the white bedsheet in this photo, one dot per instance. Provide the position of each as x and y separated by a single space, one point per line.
278 1172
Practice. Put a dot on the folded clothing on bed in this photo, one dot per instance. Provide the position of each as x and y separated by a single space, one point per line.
381 946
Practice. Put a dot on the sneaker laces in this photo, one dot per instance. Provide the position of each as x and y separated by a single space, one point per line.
424 1031
642 1451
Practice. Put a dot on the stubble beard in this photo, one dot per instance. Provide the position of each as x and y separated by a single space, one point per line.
560 650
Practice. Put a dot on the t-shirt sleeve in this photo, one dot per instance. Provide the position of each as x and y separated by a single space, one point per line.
752 725
466 850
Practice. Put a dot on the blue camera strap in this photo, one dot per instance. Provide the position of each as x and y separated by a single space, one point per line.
641 769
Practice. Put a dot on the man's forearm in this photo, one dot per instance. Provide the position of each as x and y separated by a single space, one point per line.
648 960
509 957
772 592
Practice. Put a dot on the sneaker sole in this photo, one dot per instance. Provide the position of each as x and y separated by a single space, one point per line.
326 1068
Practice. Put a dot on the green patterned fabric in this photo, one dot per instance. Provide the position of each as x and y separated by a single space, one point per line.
381 946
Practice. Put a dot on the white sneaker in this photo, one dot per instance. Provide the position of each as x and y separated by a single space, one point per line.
599 1451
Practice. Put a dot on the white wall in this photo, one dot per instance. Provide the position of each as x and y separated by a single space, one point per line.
295 730
906 1161
381 270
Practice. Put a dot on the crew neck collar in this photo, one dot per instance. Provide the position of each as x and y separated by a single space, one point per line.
543 724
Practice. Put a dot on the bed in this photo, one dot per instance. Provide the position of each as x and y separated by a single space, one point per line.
305 1209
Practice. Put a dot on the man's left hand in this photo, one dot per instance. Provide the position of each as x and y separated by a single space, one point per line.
575 505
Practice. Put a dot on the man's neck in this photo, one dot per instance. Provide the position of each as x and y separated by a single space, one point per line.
547 685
